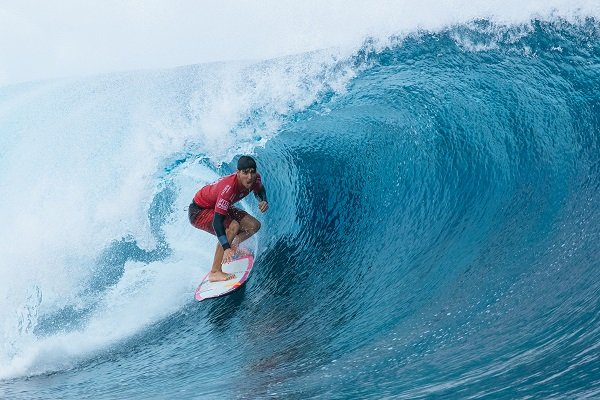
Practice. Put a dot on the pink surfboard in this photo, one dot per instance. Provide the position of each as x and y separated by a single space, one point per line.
240 267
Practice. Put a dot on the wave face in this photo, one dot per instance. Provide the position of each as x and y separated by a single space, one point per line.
433 230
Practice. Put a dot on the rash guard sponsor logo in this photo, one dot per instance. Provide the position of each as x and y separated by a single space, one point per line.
223 204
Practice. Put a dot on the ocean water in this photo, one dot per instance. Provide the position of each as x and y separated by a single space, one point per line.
433 230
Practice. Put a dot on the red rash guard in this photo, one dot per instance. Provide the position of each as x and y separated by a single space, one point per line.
223 193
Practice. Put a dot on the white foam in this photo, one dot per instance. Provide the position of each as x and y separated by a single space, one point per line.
145 294
67 38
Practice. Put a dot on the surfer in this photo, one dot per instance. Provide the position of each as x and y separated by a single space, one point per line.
212 211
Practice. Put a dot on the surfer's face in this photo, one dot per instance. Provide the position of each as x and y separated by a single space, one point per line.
247 177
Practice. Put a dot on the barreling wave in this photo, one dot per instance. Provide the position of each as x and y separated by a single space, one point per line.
433 226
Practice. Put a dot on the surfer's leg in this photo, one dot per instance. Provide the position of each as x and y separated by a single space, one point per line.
248 227
216 271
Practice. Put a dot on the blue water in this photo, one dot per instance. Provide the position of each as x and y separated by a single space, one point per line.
433 230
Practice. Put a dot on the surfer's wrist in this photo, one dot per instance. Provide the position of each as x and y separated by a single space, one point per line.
224 242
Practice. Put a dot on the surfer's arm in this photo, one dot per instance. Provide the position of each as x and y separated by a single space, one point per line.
261 194
219 227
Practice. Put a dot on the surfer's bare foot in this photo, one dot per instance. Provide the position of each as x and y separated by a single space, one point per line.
218 276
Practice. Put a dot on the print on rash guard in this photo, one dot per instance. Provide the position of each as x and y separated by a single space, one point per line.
223 193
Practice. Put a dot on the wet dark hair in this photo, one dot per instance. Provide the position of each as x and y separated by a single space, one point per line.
246 162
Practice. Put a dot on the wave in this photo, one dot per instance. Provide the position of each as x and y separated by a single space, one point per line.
432 231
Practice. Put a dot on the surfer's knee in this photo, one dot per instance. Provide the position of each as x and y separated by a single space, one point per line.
233 228
254 225
250 224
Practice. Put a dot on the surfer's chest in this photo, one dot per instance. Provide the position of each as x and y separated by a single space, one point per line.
240 195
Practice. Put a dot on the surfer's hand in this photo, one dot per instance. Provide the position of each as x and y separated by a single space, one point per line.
263 206
227 256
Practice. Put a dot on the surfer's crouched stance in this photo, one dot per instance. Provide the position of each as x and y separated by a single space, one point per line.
212 211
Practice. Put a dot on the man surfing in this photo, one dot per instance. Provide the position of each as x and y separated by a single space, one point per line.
212 211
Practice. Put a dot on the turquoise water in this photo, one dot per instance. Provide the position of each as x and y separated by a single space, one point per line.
433 228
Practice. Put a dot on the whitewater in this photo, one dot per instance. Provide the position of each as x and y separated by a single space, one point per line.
433 173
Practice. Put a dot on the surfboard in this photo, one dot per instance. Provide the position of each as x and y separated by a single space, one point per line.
240 267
